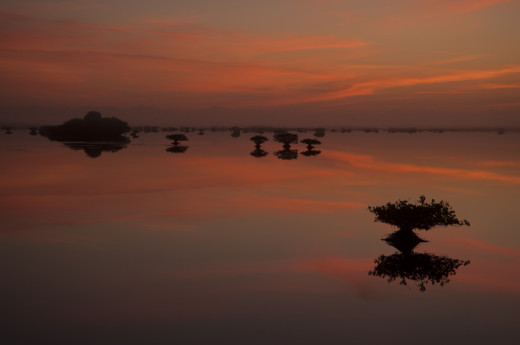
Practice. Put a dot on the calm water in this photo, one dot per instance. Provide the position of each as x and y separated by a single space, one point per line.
215 246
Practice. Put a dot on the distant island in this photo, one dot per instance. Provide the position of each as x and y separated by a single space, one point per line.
93 134
92 127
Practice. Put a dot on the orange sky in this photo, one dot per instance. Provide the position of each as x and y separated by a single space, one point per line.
418 62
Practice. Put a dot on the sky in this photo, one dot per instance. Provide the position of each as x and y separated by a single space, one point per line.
291 62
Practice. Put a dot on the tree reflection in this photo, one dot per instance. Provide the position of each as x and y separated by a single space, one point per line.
310 153
286 154
177 149
95 149
258 153
423 268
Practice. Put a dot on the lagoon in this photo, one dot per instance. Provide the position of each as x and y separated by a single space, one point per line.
213 245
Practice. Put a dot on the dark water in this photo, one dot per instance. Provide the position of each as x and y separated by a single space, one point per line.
145 244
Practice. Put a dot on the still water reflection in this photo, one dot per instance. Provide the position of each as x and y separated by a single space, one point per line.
215 246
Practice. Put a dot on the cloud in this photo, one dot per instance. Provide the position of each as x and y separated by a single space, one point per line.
462 5
369 163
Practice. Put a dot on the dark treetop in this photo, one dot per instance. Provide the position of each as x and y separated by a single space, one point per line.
421 215
285 138
177 137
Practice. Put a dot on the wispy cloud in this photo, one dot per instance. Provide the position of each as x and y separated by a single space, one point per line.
369 163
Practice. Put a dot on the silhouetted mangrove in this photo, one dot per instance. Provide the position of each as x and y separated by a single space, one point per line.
177 137
258 153
310 143
8 130
92 127
285 138
33 131
258 140
94 149
422 215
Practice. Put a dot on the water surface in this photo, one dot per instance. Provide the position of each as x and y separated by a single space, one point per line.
209 244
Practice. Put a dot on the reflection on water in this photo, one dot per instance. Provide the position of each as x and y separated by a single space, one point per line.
310 153
286 154
230 249
177 149
258 153
423 268
94 149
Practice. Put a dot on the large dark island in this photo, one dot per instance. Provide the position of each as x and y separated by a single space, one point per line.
93 134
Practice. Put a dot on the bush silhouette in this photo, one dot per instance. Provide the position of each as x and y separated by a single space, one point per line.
176 138
258 140
285 138
421 215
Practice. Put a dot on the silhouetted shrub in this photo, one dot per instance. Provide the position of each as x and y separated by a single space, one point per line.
421 215
285 138
258 139
177 137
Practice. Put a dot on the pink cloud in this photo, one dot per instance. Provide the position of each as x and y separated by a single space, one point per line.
369 163
462 5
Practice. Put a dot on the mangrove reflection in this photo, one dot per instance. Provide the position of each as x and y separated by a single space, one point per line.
177 149
310 153
286 154
95 149
405 265
258 153
423 268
